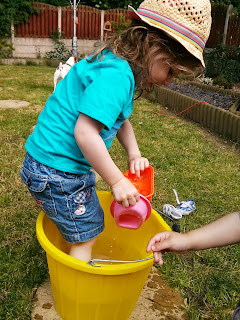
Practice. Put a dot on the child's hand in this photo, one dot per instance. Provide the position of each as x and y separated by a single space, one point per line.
136 164
167 241
125 193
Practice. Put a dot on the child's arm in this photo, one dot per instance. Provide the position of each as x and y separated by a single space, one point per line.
94 150
127 139
222 232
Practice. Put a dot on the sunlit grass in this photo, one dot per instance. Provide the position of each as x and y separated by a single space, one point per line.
185 157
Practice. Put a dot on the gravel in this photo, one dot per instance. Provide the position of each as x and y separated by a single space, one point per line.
214 98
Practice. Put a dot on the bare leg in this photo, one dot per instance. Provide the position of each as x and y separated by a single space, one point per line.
82 250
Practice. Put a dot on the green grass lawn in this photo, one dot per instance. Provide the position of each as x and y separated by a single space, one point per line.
198 164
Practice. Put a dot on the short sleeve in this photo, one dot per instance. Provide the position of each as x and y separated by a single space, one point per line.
108 91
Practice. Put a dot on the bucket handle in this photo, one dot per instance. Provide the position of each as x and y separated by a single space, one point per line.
115 261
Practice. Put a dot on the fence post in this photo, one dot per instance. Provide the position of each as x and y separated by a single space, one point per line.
228 15
59 19
102 24
74 39
12 34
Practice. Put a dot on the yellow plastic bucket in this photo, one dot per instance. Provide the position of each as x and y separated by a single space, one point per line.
109 292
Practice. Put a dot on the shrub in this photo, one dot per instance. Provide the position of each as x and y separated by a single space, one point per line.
223 63
220 80
121 25
6 49
31 63
60 51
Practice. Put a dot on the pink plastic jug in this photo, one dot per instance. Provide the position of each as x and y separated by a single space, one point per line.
133 216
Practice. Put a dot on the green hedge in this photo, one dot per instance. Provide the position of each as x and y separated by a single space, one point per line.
223 65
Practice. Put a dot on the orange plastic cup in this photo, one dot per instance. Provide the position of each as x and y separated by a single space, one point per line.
145 183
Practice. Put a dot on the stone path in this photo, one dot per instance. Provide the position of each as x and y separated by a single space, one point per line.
7 104
157 302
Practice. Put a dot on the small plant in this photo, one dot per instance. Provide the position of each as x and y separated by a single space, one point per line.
38 54
60 51
31 63
48 62
6 49
19 64
205 80
121 25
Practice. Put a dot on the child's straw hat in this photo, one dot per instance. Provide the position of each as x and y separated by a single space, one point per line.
187 21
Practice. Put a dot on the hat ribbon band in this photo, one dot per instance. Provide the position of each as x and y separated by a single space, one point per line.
173 27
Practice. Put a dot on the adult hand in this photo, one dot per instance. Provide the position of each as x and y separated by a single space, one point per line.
167 241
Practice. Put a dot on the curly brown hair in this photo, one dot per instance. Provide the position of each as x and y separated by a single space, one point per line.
141 45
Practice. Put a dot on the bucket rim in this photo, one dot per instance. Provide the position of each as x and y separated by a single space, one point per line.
57 254
114 269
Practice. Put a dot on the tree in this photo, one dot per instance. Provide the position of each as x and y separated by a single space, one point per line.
235 3
100 4
17 11
57 3
112 4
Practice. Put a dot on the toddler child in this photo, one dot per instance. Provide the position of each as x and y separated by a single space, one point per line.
92 105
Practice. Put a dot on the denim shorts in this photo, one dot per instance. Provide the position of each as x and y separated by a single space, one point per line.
69 200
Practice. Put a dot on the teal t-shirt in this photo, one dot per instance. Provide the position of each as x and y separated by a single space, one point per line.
103 90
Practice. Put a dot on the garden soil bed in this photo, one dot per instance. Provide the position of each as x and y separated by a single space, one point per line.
216 99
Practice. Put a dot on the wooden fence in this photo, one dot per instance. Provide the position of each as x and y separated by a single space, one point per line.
219 12
40 25
51 18
91 20
233 34
218 22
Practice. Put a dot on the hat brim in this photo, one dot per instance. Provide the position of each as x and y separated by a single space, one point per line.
133 14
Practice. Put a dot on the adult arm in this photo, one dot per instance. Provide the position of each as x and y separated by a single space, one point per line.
222 232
